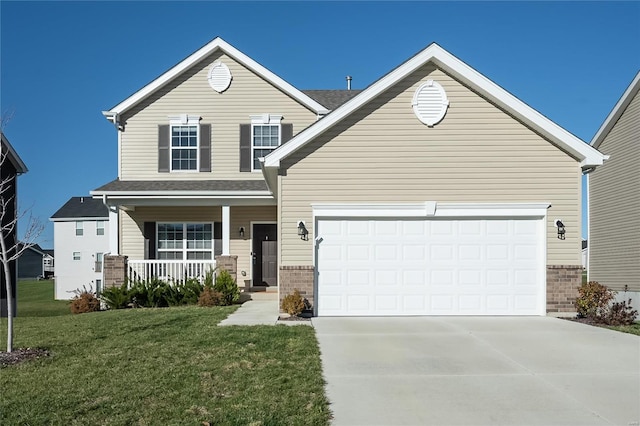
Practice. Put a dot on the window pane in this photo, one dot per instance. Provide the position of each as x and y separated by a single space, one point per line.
257 153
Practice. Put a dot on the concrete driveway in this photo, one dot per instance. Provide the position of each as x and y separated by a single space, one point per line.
478 371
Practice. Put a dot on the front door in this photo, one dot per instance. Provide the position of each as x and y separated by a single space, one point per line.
265 254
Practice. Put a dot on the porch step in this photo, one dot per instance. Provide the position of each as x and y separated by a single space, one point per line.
262 295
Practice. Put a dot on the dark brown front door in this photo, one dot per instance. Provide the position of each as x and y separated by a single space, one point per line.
265 255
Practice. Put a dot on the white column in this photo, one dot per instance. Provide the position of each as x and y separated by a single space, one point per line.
113 230
226 230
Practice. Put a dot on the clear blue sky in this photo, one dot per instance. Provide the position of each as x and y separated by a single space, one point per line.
62 63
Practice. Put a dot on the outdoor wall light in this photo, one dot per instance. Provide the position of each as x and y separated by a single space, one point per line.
241 231
561 230
302 231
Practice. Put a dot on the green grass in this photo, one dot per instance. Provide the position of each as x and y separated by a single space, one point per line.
162 366
631 329
35 299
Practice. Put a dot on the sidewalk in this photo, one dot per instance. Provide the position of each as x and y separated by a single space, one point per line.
261 309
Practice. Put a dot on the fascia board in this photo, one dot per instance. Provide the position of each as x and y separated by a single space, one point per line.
13 156
181 194
209 48
79 218
616 112
586 154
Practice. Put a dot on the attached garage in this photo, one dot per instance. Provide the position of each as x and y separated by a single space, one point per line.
485 260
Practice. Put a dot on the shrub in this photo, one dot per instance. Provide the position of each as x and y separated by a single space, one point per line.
293 304
116 297
210 297
84 301
593 300
620 313
226 285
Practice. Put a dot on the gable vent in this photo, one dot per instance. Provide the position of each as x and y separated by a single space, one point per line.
219 77
430 103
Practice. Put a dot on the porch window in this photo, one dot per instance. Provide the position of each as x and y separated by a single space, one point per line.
189 240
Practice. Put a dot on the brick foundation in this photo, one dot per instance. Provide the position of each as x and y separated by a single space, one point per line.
297 277
562 287
230 264
115 270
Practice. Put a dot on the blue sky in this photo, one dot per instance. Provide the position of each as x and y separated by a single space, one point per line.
62 63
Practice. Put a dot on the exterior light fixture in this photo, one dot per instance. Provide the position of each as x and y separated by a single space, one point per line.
241 231
302 231
561 230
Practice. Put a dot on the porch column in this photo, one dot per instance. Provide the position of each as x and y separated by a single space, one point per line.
226 230
113 230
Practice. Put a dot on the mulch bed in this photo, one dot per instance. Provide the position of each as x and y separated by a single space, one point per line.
20 355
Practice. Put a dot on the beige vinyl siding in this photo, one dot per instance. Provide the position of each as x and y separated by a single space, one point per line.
384 154
190 93
614 206
132 238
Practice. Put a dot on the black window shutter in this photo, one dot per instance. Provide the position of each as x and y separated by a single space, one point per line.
149 240
246 161
287 133
163 148
205 147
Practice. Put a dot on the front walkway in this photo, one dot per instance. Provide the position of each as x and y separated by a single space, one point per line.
261 309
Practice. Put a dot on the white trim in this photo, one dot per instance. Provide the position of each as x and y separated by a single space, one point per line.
226 230
114 227
265 119
119 152
616 112
441 101
226 74
588 156
184 193
198 55
73 219
431 209
184 120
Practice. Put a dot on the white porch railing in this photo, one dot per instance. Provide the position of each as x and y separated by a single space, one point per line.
169 270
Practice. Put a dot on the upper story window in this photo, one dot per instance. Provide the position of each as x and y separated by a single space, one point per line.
265 136
184 145
76 255
79 228
100 227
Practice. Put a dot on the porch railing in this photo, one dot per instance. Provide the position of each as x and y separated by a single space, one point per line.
169 270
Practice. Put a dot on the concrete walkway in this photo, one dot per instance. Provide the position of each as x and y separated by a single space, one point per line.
261 309
478 371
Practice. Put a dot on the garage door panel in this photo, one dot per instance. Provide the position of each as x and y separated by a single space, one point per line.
430 267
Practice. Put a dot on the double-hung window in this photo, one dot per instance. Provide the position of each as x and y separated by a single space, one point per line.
79 228
184 147
188 240
265 136
100 227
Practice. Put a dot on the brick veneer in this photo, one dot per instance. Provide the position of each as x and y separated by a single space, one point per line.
562 287
230 264
297 277
115 270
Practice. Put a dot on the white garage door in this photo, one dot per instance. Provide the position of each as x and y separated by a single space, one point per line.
430 267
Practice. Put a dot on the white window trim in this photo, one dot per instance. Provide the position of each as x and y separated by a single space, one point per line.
73 255
184 120
79 228
184 239
264 120
98 227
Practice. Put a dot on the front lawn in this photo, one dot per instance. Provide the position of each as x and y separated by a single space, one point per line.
631 329
162 366
35 299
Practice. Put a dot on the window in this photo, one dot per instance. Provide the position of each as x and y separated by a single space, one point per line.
76 255
98 286
79 228
184 147
98 265
100 227
264 139
189 240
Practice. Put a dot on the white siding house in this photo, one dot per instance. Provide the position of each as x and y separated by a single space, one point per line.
81 238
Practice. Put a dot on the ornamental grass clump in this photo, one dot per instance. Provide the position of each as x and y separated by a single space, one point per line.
84 301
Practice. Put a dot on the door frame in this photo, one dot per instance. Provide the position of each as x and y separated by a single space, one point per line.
262 222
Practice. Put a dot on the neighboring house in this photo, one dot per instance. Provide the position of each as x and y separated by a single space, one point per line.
11 166
80 239
35 262
614 199
585 254
432 192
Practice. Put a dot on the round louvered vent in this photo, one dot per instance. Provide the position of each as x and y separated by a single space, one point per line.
219 77
430 103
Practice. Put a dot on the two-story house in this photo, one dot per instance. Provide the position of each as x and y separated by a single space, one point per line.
432 191
80 239
11 165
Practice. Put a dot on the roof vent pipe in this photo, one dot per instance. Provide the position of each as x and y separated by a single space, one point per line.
348 82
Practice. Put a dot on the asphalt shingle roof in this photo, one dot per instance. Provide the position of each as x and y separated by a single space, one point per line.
183 185
82 207
331 99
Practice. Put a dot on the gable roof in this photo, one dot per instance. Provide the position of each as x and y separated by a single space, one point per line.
588 156
81 207
207 49
331 99
12 155
616 112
